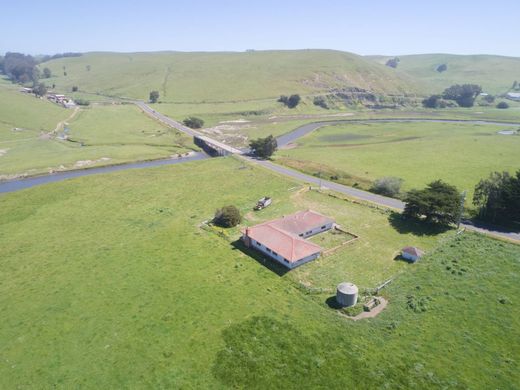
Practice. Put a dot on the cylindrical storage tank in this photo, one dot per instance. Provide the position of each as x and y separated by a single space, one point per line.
347 294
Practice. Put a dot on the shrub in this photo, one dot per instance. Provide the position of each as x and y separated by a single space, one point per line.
393 62
489 98
74 88
320 102
82 102
47 73
193 122
227 216
464 95
291 101
388 186
442 68
502 105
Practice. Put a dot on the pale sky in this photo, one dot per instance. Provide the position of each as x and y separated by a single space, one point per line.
363 27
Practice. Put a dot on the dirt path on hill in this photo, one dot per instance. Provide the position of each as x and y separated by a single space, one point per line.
61 124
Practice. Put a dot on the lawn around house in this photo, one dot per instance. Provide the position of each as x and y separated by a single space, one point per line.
458 153
157 301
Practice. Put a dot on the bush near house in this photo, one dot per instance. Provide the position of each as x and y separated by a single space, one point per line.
227 216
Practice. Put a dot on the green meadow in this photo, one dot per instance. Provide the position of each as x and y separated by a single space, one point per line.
222 76
496 74
150 298
458 153
98 135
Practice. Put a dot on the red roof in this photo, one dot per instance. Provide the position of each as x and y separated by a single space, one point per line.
281 235
411 250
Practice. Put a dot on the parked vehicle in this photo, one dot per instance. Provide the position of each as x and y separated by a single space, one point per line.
263 203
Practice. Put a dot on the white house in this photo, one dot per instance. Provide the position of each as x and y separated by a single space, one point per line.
513 96
412 253
283 239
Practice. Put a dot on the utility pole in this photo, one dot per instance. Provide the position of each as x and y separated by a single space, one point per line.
461 207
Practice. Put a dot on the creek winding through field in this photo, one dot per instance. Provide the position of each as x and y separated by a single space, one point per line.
283 140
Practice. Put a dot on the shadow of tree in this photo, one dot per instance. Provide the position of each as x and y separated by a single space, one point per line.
418 228
262 259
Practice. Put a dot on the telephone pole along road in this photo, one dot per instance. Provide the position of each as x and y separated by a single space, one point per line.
343 189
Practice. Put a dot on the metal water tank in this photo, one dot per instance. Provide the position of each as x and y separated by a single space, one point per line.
347 294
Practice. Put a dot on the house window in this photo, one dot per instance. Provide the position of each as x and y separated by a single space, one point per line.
287 261
274 253
257 243
301 234
324 226
268 250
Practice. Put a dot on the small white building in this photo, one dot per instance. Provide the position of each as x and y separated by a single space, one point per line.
412 253
513 96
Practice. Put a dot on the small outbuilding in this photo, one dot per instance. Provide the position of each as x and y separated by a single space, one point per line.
347 294
412 253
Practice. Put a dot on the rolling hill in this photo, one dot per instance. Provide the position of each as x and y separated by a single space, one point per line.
224 76
496 74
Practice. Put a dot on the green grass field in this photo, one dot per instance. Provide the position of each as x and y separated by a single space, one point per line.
98 135
148 298
460 154
222 77
495 74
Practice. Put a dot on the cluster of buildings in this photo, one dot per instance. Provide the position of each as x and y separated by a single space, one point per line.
54 97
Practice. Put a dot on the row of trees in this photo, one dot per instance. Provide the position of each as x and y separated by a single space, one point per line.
464 95
498 198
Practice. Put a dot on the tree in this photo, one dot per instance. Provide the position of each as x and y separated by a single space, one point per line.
442 68
503 105
387 186
291 101
40 89
227 216
88 68
438 203
393 62
464 95
20 68
498 198
154 96
193 122
264 147
47 73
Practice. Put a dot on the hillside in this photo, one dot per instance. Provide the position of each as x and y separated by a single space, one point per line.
496 74
215 77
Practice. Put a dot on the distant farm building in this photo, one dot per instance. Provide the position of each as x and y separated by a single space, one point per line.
283 239
412 253
513 96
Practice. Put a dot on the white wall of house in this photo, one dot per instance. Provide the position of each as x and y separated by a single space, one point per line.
275 256
409 256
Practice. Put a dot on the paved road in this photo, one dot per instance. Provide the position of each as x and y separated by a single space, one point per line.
350 191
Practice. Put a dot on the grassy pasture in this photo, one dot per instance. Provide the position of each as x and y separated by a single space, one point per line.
458 153
222 77
109 134
496 74
149 299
